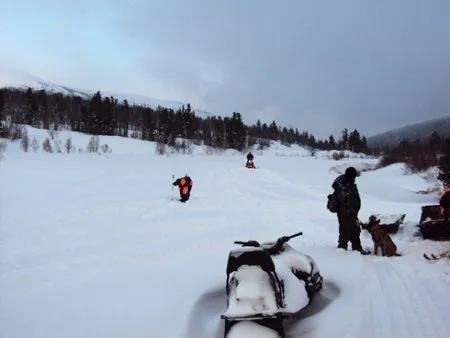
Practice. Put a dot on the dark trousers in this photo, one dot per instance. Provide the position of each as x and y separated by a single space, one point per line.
446 214
184 197
349 231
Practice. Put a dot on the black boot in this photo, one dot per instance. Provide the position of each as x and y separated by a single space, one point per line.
365 252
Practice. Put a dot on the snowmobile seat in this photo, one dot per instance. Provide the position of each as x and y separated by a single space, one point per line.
259 257
250 256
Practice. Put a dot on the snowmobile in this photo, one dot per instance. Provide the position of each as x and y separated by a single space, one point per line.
250 164
432 225
266 284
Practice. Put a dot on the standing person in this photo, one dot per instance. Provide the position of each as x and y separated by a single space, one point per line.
348 206
444 203
184 185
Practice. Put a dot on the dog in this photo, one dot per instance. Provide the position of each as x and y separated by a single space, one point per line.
381 240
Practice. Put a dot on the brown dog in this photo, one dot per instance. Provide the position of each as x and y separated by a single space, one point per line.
381 240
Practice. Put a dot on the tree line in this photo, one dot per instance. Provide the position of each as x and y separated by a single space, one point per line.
105 115
419 155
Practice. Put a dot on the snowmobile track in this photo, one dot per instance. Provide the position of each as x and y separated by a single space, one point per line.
387 291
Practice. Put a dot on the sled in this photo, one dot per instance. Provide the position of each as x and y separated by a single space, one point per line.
389 223
432 225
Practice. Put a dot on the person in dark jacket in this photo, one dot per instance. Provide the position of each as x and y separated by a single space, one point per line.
349 204
184 185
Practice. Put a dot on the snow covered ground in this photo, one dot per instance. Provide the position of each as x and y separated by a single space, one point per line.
94 246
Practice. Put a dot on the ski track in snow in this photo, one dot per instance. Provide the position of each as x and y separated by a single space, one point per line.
104 249
391 301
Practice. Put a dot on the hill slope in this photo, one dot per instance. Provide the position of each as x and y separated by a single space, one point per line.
412 132
18 79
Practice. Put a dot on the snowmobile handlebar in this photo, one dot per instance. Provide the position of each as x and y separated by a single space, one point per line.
279 242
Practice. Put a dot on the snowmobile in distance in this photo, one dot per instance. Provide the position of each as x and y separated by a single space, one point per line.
266 284
250 164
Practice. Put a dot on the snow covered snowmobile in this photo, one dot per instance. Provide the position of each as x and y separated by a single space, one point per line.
266 284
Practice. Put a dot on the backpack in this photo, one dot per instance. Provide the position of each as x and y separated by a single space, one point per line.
332 203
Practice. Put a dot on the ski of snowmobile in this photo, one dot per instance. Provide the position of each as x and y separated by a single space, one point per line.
435 257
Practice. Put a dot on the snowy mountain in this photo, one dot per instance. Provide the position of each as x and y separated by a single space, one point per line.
412 132
96 245
19 79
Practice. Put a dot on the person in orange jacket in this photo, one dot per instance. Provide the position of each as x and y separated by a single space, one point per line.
444 203
184 185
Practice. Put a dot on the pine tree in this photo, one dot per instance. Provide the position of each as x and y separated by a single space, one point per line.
344 143
444 165
331 142
3 130
30 108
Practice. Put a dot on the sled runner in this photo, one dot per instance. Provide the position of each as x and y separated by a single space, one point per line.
268 283
434 257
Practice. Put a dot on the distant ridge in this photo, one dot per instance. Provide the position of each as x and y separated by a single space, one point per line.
19 79
421 130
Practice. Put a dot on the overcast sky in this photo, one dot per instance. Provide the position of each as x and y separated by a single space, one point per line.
318 65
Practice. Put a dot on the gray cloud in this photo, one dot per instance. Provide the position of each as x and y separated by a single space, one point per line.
316 65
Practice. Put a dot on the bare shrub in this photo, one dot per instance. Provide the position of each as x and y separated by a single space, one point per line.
185 147
3 146
68 145
94 144
262 144
46 146
339 155
161 148
208 150
25 142
58 146
106 149
53 131
16 132
35 144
